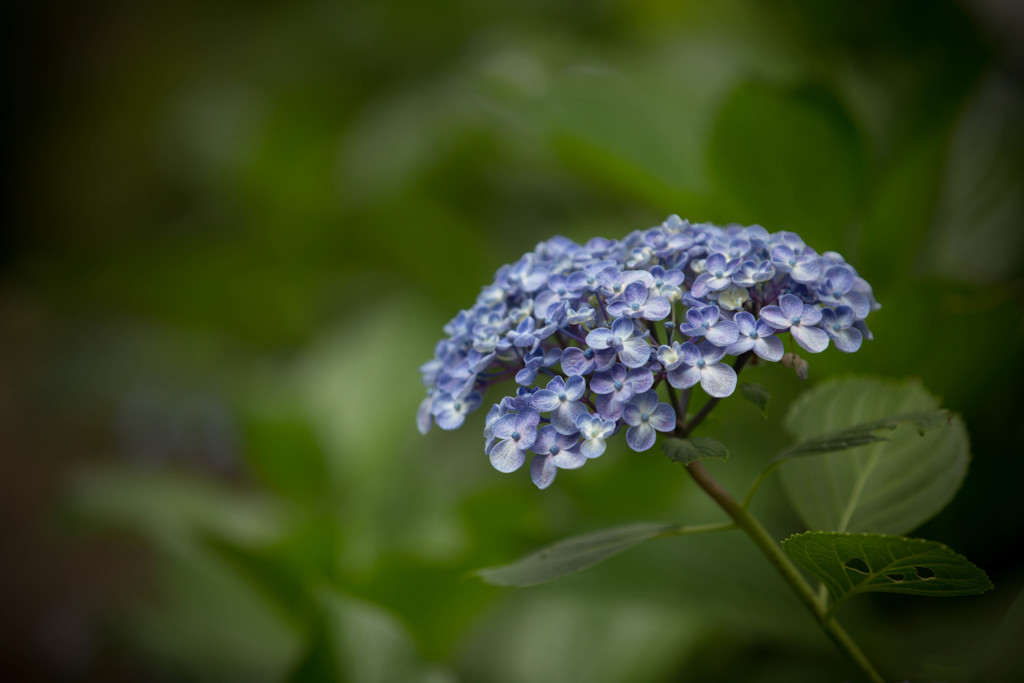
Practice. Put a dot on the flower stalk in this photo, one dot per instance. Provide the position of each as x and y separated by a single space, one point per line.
746 522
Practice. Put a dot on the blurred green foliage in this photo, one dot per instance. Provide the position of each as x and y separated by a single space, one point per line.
239 228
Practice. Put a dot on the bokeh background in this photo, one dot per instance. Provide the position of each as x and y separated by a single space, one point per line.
235 231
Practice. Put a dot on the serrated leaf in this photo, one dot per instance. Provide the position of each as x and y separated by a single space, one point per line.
885 486
685 451
863 434
573 554
757 395
851 564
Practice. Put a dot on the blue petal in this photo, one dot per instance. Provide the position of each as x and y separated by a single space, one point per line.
845 316
848 340
545 400
635 352
863 327
683 377
718 380
745 322
791 306
574 363
450 419
663 418
774 316
542 471
635 292
505 426
700 286
424 418
575 387
859 303
551 357
472 402
527 420
690 353
546 438
535 279
621 328
810 316
640 379
564 418
711 353
556 385
807 270
742 345
619 309
657 308
604 358
646 401
526 376
813 339
603 382
641 438
715 262
577 282
608 277
599 338
506 457
592 448
840 278
608 407
568 460
769 348
723 333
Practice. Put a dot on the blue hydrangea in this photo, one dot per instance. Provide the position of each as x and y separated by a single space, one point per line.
590 332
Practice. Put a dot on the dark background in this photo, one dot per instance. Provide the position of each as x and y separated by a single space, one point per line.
235 230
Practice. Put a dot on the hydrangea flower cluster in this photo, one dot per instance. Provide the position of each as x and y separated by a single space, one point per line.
588 332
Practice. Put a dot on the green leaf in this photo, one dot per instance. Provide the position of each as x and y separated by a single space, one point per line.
771 143
980 187
1003 658
851 564
353 640
685 451
573 554
757 395
863 434
886 486
656 160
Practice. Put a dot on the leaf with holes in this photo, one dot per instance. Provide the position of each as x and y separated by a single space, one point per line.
573 554
888 486
685 451
864 434
851 564
757 395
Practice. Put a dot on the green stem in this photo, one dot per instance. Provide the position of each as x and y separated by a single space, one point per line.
753 528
